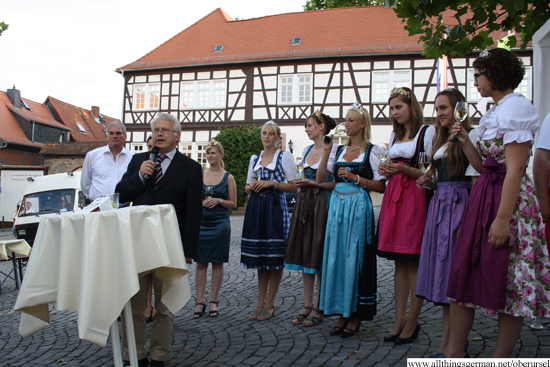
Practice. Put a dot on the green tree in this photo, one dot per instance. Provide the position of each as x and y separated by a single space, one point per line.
325 4
3 27
239 144
472 23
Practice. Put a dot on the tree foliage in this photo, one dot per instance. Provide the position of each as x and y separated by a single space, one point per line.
3 27
471 23
239 144
325 4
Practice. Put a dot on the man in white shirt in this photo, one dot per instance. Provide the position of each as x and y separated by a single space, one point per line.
104 167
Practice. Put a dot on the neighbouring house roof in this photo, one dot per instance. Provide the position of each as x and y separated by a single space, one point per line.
9 127
70 115
70 149
330 32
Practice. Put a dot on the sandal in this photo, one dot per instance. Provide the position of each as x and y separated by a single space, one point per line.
198 314
313 320
215 312
266 315
301 317
257 312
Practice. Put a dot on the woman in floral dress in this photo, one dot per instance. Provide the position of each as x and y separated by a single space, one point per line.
500 264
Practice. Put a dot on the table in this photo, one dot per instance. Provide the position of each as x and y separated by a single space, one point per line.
90 263
16 246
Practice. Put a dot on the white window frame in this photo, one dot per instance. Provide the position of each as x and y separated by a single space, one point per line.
526 85
151 90
381 92
296 86
203 94
138 147
196 151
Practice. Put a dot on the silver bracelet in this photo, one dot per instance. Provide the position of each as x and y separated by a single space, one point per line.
408 170
358 179
277 186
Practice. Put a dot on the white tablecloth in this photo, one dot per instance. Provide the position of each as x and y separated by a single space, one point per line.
18 246
90 263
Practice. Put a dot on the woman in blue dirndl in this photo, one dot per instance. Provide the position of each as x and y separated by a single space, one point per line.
348 287
266 222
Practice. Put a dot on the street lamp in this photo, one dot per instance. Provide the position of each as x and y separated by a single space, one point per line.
290 145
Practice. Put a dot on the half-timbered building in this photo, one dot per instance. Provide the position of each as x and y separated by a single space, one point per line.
226 72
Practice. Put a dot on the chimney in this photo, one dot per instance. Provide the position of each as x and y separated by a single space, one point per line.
15 97
95 111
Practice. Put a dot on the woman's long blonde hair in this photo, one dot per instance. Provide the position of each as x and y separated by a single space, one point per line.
359 113
214 144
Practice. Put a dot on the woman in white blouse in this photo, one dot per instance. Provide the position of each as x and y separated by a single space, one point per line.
500 264
306 237
348 287
266 221
403 212
447 208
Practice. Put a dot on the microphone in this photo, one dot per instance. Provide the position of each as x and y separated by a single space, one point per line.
153 157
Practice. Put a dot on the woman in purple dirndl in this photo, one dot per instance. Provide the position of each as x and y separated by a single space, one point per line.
446 209
500 264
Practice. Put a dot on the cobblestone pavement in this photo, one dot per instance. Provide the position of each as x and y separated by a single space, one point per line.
232 340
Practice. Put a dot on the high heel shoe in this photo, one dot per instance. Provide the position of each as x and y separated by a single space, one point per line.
346 333
198 314
391 338
410 339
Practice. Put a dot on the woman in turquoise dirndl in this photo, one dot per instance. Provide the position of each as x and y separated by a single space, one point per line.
266 221
348 287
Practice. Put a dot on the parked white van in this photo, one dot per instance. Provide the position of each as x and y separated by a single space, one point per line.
49 195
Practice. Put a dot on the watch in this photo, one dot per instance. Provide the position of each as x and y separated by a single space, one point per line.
221 201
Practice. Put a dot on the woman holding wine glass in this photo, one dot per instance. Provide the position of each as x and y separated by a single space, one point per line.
500 264
348 286
220 196
447 207
306 237
403 212
266 221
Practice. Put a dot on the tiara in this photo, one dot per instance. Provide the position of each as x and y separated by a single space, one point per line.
357 107
485 53
319 115
212 142
399 90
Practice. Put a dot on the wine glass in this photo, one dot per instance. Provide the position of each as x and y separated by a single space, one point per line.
424 163
461 113
256 175
382 153
209 191
300 168
341 129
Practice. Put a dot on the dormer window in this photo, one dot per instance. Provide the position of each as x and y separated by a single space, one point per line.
296 41
26 105
218 48
81 128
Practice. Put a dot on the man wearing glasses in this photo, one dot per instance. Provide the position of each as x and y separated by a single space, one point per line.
104 167
172 178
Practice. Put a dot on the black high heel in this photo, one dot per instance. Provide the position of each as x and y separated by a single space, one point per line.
199 314
410 339
391 338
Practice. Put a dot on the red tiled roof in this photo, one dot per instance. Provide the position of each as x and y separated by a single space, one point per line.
357 30
9 127
70 115
342 31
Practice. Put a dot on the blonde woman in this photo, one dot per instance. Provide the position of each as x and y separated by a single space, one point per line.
219 196
266 222
348 287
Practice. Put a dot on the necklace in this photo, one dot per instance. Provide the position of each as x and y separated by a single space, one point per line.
353 149
214 174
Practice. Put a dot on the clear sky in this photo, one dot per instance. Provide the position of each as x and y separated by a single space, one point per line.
69 49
